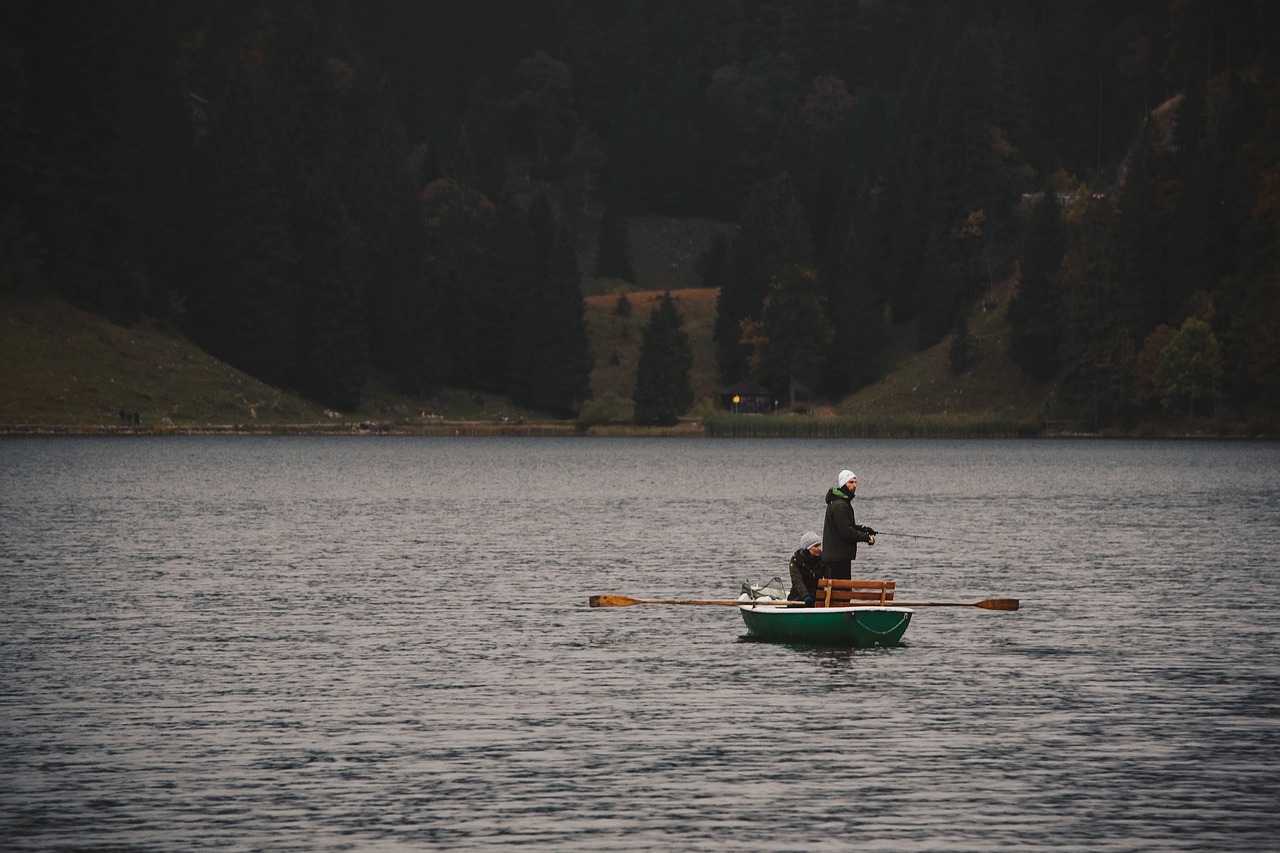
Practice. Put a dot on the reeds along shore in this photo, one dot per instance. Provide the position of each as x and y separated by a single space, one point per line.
720 426
740 426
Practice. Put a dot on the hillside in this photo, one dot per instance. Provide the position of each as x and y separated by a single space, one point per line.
615 340
921 384
66 367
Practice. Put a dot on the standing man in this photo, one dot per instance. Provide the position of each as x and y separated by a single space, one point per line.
840 534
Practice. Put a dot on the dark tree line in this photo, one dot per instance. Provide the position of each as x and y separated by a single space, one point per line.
1141 134
320 192
239 171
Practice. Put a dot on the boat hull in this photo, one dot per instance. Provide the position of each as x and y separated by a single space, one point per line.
857 627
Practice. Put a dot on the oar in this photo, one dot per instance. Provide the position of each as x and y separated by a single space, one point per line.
985 604
627 601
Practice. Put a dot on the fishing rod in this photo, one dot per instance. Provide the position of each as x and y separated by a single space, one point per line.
922 536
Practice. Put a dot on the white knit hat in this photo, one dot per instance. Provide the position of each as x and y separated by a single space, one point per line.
845 476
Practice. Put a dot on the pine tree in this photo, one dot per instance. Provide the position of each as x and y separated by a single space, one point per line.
663 391
773 234
551 366
969 177
243 303
613 260
855 279
713 263
1097 348
462 228
1138 244
1034 312
332 355
480 152
788 343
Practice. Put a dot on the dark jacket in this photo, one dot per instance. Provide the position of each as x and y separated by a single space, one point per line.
840 533
805 570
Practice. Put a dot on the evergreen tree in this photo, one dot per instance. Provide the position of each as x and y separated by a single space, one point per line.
1138 244
613 260
404 323
713 263
502 277
788 343
622 308
461 228
243 303
663 391
855 278
480 152
773 233
332 356
1097 348
963 351
551 359
114 152
413 347
971 176
1035 314
541 112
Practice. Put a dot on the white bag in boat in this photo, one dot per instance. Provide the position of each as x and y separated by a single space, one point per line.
771 591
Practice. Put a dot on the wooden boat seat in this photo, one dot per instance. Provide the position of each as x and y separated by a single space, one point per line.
842 593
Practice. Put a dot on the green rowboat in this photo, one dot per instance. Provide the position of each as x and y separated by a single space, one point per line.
858 627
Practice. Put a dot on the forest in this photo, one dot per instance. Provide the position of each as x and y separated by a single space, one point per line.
323 192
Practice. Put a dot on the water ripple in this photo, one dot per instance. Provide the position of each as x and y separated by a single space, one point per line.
308 644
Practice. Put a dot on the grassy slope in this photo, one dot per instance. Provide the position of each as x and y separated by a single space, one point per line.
921 384
63 367
617 339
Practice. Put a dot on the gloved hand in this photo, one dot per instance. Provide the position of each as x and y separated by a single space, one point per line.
869 531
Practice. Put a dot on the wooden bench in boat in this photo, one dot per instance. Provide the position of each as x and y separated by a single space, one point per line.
841 593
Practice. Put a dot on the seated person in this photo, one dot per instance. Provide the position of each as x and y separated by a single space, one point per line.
806 567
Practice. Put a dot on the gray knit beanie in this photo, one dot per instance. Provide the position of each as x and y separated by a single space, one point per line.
810 539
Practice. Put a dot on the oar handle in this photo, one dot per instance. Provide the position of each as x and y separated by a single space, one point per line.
627 601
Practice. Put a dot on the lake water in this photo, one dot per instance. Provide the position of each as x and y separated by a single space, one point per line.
384 644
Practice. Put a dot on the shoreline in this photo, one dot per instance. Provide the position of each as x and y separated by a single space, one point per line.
463 429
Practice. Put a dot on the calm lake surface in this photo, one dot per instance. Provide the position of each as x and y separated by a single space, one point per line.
385 644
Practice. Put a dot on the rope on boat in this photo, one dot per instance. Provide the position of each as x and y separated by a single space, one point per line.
863 626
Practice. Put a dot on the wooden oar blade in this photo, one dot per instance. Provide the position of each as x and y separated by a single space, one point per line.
999 604
612 601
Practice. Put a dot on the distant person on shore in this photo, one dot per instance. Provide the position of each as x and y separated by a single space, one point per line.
840 533
806 567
